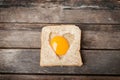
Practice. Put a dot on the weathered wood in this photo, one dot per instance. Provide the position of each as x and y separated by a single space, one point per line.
14 35
39 26
19 39
56 14
58 77
96 62
26 3
92 16
69 4
92 4
48 14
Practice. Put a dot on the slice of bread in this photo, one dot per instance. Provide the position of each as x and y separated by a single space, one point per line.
48 56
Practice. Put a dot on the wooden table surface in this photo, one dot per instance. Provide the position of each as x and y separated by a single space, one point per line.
21 22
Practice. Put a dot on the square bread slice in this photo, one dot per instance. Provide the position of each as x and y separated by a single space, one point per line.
72 57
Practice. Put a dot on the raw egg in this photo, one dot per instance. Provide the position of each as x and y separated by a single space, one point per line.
60 45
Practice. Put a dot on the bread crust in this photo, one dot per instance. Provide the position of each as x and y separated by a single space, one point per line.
72 57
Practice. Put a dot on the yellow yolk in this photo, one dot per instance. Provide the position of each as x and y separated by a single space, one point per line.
60 45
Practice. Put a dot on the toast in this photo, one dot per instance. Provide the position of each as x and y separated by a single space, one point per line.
72 57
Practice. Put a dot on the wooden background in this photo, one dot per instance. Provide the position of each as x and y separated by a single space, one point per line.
21 22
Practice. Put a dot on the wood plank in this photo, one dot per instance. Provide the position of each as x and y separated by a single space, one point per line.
92 16
19 39
42 13
53 13
15 35
92 4
58 77
69 4
25 3
96 62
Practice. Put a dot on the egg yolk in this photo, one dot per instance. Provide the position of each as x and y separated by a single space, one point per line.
60 45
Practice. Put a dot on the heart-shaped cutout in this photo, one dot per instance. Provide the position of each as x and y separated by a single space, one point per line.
60 44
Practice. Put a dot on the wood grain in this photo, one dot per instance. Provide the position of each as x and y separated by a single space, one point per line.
58 77
69 4
15 35
20 29
52 13
96 62
47 13
26 3
92 16
92 4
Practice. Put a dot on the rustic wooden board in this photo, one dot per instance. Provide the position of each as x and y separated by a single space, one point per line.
69 4
20 29
96 62
92 4
58 77
92 16
25 3
15 35
47 13
57 14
